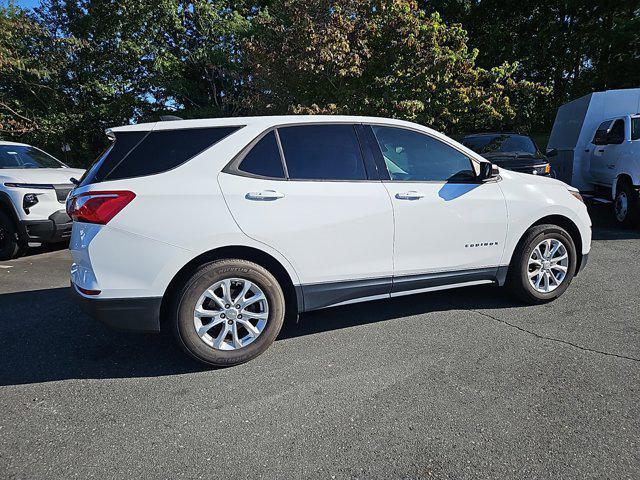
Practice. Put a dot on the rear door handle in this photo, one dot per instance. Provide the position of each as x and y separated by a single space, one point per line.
264 195
412 195
611 166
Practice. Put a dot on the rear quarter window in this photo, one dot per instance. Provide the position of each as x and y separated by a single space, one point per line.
138 154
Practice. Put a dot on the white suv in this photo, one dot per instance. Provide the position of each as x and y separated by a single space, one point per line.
33 189
215 229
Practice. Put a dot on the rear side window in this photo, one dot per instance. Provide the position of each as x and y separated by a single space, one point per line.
322 152
137 154
635 128
264 158
123 144
166 149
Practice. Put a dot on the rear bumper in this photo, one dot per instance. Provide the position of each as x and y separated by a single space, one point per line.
56 228
137 314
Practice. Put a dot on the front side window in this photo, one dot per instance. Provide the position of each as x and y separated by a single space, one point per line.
413 156
635 128
264 158
22 156
600 137
616 135
322 152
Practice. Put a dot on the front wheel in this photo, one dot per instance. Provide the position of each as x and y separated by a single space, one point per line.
543 264
627 206
10 245
229 312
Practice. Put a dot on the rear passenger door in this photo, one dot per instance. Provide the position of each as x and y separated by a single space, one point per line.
306 191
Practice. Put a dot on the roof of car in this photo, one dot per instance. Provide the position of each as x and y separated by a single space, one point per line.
3 142
266 121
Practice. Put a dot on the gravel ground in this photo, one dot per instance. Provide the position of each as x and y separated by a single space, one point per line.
457 384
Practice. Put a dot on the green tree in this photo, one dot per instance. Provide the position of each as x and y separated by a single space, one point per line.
385 57
573 46
33 65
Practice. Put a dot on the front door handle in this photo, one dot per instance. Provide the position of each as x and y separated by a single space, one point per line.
412 195
611 166
264 195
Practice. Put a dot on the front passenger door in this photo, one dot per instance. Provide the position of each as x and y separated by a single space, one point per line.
445 221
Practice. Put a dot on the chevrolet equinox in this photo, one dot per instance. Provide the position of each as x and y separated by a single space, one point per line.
216 229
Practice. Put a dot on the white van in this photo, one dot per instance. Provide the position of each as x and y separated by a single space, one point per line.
595 146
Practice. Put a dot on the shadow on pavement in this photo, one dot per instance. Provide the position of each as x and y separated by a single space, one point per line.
45 337
605 226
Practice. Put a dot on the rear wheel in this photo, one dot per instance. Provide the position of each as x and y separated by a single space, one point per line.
626 206
543 264
229 312
10 244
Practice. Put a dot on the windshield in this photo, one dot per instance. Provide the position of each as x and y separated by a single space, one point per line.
499 144
23 156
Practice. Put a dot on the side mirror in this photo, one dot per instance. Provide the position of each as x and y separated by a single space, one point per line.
75 181
487 171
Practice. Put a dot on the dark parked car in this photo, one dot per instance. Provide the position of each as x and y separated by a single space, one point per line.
512 151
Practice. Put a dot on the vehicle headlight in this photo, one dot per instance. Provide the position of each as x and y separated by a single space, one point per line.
542 169
576 194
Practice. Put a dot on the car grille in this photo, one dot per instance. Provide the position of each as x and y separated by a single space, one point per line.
62 191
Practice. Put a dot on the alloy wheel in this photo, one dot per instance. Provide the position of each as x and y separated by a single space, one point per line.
231 314
548 265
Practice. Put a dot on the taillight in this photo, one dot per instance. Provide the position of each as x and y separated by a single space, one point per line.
98 207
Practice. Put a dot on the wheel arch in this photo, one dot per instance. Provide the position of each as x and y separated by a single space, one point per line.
567 224
7 207
621 179
292 294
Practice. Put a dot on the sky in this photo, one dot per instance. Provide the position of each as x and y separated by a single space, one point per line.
21 3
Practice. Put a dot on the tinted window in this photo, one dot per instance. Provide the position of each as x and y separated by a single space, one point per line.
264 158
635 128
20 156
163 150
414 156
505 143
322 152
600 137
122 145
616 135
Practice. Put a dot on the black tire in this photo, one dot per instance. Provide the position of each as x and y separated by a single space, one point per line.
518 277
206 276
629 217
10 244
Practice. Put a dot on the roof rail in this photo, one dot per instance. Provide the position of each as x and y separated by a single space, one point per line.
169 118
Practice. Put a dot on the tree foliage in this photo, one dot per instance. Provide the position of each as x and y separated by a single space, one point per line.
572 46
71 68
385 57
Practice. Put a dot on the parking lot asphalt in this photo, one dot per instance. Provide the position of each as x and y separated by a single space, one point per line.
457 384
